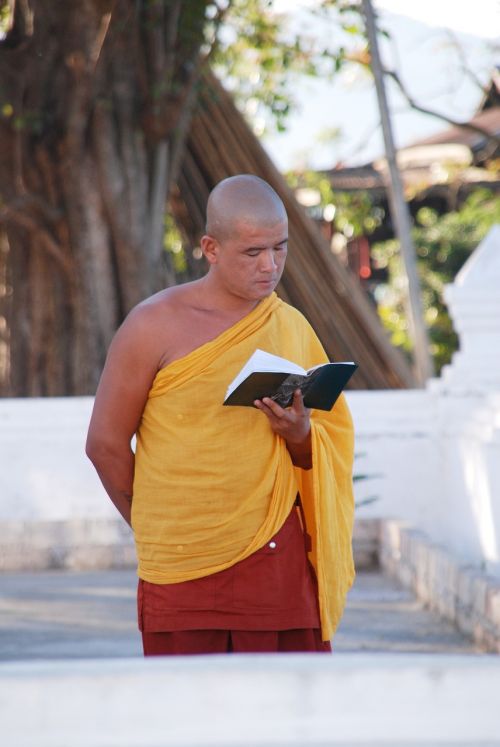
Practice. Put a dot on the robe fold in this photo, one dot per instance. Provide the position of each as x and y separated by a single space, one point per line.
213 484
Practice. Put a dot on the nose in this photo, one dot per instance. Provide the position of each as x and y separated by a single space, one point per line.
267 260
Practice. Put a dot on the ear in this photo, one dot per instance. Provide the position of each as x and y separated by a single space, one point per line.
210 248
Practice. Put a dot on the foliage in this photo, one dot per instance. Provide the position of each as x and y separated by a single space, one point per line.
173 245
353 213
443 243
5 16
259 52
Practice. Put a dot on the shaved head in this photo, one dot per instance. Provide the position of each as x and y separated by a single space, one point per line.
242 200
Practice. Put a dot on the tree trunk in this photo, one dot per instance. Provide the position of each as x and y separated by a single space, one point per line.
93 97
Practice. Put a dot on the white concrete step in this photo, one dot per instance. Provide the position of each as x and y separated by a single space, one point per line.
253 701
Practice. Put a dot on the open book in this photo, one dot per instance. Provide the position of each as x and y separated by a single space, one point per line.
267 375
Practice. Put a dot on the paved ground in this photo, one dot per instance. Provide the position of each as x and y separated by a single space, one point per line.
90 615
383 616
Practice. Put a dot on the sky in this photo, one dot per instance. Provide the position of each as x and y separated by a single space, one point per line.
479 18
424 50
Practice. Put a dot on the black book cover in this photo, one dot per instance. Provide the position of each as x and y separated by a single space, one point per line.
320 388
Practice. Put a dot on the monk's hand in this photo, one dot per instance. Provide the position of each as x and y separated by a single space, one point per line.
293 424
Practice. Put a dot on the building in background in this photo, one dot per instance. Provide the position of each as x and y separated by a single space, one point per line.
439 171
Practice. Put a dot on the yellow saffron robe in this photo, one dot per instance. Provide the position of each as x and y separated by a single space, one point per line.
213 484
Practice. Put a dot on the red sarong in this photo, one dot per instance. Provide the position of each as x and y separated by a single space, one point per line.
267 602
234 641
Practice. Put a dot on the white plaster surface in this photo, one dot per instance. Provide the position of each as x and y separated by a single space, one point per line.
353 699
44 472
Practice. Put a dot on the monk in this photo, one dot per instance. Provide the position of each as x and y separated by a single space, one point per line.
242 517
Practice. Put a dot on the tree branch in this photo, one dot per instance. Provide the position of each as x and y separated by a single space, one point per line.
95 52
35 203
489 136
8 214
464 67
171 33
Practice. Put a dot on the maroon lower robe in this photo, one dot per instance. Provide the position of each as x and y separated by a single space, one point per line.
265 603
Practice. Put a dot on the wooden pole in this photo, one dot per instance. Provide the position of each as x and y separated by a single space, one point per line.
400 214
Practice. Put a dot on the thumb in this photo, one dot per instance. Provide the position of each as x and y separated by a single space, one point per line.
298 401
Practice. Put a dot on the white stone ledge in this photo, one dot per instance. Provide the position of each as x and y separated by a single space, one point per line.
100 544
77 544
465 595
252 701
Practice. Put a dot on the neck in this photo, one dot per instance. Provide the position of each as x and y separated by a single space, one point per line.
212 296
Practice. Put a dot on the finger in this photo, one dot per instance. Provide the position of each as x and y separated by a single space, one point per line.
298 403
260 405
276 410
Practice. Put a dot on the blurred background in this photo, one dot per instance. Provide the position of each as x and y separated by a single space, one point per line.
117 118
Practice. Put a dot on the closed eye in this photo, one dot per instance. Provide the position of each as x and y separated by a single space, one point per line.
255 251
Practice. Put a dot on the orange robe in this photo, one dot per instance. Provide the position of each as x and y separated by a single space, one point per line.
214 484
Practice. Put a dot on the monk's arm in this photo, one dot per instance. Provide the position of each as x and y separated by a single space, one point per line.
121 395
294 425
301 452
114 463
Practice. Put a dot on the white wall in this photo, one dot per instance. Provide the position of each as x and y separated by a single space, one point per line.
397 447
44 473
439 449
436 464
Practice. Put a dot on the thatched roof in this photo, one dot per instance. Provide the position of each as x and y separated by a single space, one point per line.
220 144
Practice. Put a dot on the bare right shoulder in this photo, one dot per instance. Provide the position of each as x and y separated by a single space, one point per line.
152 325
144 328
133 359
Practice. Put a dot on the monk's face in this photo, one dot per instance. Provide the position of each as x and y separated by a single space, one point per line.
250 261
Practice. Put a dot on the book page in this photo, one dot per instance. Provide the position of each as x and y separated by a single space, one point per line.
260 360
320 365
